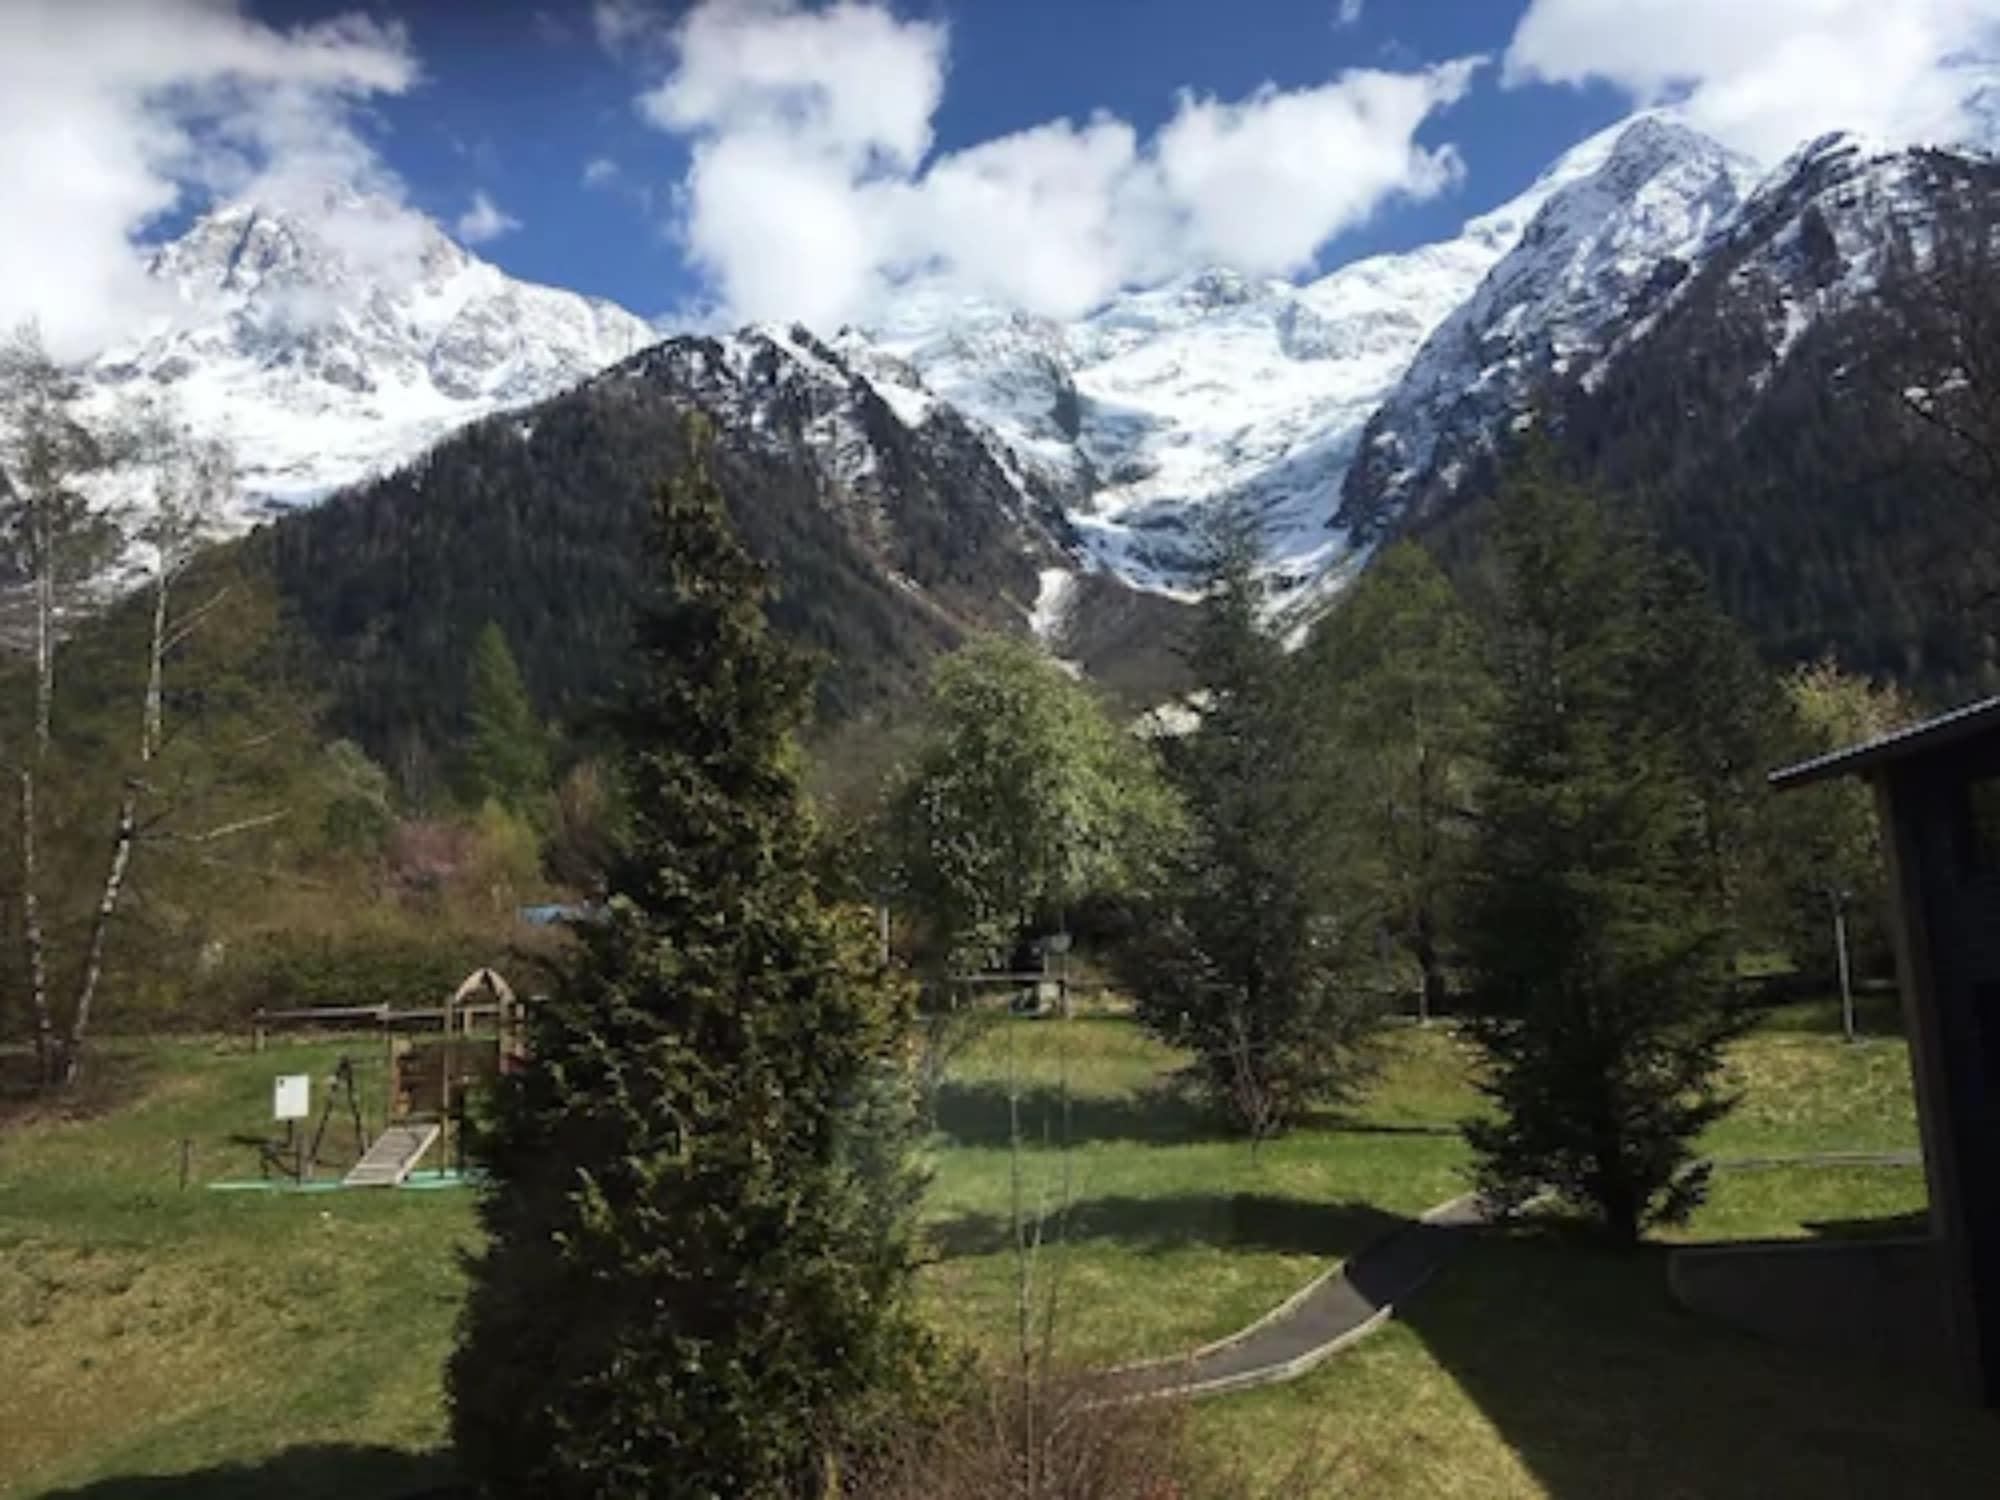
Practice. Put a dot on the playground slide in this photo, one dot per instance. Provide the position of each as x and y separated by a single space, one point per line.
396 1151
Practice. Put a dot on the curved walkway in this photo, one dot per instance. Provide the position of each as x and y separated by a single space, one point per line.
1353 1299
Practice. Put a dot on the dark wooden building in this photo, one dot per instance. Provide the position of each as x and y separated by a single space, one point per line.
1937 790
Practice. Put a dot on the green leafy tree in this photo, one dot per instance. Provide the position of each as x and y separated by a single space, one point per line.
698 1222
1825 845
1022 800
1398 697
507 751
360 806
1261 958
1596 961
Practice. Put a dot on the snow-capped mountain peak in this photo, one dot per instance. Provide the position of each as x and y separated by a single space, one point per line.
1612 229
341 335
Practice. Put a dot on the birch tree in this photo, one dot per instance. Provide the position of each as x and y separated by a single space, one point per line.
59 533
190 481
52 538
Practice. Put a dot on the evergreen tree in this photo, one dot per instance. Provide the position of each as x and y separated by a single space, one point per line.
698 1255
1261 958
506 753
1399 698
1596 962
1722 713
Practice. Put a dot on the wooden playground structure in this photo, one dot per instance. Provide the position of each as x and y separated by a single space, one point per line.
435 1061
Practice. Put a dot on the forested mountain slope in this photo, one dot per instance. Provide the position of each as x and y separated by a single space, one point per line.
1764 416
889 539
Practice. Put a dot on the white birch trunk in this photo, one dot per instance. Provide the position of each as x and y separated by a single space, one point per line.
100 931
31 936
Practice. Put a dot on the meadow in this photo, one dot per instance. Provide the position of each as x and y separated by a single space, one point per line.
157 1341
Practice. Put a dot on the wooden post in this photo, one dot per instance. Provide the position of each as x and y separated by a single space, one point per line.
187 1151
257 1029
1846 977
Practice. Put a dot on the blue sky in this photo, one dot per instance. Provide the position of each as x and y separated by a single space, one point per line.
516 99
810 158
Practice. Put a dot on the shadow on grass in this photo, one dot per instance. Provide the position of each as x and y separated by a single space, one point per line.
315 1471
978 1114
1241 1221
1167 1113
1912 1225
1603 1387
1878 1012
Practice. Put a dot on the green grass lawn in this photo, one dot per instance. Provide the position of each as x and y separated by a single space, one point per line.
291 1343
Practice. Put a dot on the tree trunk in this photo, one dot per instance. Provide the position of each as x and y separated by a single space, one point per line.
1431 987
31 938
45 639
100 929
151 721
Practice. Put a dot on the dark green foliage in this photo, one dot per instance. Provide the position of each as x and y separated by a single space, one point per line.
698 1223
1398 696
506 749
1594 950
1824 513
537 522
1260 959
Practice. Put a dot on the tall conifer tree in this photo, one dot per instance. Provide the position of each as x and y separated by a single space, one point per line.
507 752
1595 957
1399 697
1261 958
700 1196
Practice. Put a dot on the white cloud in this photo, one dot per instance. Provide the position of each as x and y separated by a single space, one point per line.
599 171
484 221
813 188
111 112
1768 75
1348 13
850 81
623 24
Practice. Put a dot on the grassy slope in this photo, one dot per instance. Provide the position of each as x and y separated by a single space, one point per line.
149 1330
144 1330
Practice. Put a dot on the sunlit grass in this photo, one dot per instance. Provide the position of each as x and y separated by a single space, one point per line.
147 1330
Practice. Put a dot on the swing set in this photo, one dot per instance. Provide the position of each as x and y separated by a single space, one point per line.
436 1062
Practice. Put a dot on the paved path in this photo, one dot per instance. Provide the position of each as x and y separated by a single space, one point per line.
1325 1317
1351 1301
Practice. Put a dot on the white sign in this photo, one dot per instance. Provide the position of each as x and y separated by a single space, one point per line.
292 1098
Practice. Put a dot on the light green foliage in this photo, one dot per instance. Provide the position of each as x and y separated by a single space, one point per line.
1398 699
1594 949
506 750
52 534
360 808
1023 799
1261 957
698 1226
1825 842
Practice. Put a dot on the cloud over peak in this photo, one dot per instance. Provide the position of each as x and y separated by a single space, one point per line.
110 112
1765 76
813 187
484 221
